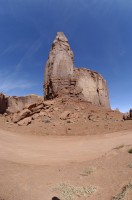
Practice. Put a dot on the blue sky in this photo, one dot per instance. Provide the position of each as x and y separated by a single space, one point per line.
99 32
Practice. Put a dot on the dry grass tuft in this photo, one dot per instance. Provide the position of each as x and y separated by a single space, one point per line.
124 192
130 150
88 171
130 165
70 192
119 147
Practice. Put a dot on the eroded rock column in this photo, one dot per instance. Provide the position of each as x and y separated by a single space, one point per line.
59 68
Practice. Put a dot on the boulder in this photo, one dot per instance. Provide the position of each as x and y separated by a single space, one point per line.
49 103
31 106
25 122
91 117
35 116
38 108
45 114
65 115
56 109
70 121
46 119
21 115
74 115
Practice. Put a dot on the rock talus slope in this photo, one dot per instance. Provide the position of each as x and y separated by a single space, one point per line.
63 79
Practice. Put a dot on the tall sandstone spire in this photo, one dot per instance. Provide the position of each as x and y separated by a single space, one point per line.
63 79
59 67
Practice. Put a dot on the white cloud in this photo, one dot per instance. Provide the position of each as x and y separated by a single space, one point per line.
12 48
16 79
11 81
9 85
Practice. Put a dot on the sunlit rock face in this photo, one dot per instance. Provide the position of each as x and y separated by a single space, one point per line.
94 87
59 68
63 79
16 104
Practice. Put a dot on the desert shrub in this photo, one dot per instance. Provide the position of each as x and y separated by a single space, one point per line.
88 171
130 150
122 195
130 165
119 147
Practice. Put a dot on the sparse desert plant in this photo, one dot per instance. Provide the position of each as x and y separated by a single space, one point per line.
130 165
130 150
70 192
119 147
124 192
88 171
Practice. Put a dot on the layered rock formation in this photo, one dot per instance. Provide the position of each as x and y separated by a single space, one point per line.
59 67
62 78
13 104
16 104
93 87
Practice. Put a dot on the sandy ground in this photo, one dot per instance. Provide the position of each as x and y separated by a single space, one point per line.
31 167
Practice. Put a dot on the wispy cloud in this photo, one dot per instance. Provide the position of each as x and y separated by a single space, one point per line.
17 79
9 85
32 49
13 48
11 81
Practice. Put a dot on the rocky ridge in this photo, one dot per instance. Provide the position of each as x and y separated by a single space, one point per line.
60 116
64 116
16 104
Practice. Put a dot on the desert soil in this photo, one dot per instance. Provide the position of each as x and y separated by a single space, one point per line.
41 167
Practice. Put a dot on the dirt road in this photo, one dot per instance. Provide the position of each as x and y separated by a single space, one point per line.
31 166
48 150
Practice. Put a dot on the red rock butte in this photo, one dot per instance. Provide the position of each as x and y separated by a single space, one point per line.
63 79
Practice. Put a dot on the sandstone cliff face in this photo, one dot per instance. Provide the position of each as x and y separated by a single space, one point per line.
16 104
62 78
59 67
93 86
3 103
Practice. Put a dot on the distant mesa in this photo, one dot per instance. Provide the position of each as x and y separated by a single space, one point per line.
63 79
